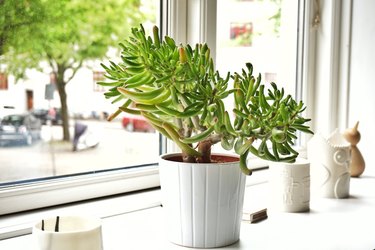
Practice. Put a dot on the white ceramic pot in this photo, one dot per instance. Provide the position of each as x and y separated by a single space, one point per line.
289 185
74 232
330 161
202 202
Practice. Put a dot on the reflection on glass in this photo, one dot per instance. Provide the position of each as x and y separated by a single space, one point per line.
262 32
48 72
241 33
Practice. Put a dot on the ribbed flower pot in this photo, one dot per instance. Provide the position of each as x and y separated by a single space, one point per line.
202 202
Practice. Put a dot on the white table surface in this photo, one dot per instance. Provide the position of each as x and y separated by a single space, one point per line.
330 224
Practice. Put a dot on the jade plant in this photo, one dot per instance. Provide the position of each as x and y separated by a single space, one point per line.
178 91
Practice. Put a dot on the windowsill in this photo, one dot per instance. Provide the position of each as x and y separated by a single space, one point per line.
135 221
124 181
18 224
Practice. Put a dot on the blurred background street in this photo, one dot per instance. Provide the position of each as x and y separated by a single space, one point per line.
50 156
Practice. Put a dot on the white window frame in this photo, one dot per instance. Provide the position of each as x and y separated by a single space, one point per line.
329 66
32 195
194 21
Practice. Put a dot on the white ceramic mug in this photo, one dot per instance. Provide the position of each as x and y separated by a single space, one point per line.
68 233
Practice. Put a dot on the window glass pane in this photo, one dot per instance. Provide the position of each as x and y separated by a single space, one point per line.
70 40
262 32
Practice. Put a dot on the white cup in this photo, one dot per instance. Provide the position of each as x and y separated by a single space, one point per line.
68 233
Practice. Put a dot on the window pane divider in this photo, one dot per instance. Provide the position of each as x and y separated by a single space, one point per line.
65 190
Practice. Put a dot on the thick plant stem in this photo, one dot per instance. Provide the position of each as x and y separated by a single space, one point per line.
188 158
204 147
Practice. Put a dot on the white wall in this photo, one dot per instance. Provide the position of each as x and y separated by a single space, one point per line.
362 77
15 95
81 95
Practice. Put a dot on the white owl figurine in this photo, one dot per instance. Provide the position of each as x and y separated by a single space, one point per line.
329 161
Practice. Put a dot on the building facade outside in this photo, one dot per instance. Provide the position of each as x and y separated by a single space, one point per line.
85 97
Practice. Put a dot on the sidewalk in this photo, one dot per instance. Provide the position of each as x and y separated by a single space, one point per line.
117 148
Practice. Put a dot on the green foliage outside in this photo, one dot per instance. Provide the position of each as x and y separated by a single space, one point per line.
63 33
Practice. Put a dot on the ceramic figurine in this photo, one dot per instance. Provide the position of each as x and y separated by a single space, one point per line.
329 161
357 165
289 186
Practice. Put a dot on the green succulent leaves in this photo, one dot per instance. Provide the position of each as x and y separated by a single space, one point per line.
271 118
178 90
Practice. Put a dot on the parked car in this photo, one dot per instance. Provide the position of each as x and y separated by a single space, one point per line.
136 123
45 115
19 128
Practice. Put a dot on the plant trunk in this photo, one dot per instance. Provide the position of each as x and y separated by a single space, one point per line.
188 158
204 147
